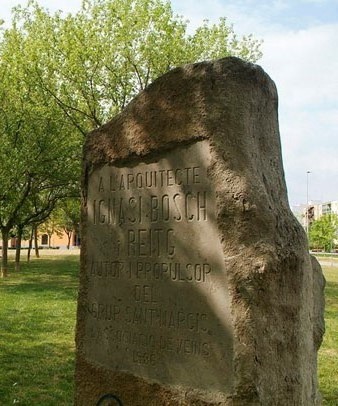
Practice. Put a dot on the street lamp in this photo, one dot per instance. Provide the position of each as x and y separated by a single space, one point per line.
307 202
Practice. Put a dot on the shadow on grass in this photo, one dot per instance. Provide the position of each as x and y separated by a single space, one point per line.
44 275
59 289
37 323
330 399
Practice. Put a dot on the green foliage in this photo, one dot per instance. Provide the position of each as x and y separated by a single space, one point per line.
52 225
62 76
39 149
94 62
215 41
39 153
323 232
65 218
70 215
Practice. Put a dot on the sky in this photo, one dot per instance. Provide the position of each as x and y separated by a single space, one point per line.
300 54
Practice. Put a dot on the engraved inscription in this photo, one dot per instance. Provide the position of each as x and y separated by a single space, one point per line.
155 208
172 271
157 302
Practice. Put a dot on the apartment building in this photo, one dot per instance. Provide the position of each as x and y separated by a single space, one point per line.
314 210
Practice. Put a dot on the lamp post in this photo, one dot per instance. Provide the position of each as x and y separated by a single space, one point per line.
307 203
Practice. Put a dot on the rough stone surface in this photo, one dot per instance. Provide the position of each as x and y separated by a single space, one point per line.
247 303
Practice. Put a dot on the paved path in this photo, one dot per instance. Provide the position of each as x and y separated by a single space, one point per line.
45 252
328 262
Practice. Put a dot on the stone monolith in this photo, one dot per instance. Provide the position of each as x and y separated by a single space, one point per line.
196 283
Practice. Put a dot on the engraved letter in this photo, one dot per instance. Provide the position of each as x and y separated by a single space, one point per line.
177 217
142 243
195 174
170 248
130 180
101 188
165 208
178 176
102 217
131 242
153 208
188 216
139 180
201 206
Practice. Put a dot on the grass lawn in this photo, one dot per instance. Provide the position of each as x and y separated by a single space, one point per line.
37 322
328 354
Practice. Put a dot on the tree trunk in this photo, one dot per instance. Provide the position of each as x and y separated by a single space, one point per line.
18 248
30 245
37 254
4 259
69 235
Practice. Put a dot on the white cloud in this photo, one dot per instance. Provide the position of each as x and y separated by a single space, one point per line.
304 65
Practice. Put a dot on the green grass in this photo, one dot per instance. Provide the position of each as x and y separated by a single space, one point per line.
37 322
328 354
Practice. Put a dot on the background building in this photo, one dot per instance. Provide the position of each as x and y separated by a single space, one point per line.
314 211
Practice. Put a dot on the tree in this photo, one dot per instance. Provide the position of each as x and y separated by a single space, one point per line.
52 226
70 217
65 218
323 232
94 62
39 151
61 77
36 209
